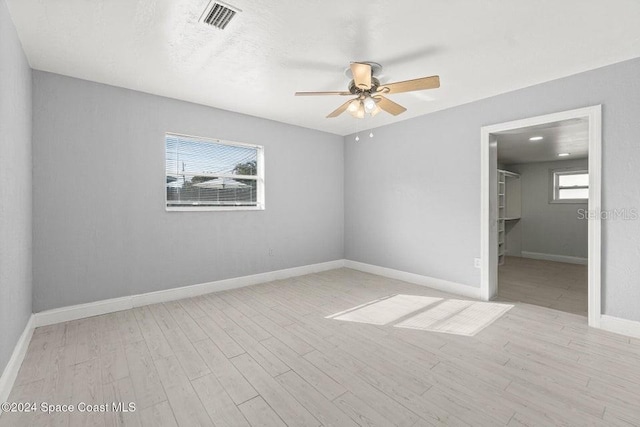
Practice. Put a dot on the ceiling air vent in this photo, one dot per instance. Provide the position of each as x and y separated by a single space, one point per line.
218 14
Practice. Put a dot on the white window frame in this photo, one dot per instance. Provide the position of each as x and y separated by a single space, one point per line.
554 188
259 178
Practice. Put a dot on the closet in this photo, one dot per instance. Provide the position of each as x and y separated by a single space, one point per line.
509 207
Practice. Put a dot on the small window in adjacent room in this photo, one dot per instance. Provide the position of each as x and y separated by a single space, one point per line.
209 174
569 186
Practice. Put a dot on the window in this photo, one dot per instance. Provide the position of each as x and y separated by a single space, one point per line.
209 174
569 186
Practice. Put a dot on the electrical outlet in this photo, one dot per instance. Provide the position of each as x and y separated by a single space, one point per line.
270 252
476 262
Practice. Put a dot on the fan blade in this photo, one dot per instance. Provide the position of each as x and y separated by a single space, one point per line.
341 109
423 83
336 92
361 75
389 106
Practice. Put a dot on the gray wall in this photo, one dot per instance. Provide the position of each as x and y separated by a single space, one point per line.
15 188
100 225
546 228
413 191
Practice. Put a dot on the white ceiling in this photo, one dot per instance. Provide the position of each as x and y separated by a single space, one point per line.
569 136
271 49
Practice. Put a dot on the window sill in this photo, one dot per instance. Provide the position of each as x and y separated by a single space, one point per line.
213 208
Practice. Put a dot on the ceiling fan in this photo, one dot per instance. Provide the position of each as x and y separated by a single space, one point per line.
369 91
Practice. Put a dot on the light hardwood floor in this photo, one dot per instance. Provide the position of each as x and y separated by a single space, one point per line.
556 285
266 356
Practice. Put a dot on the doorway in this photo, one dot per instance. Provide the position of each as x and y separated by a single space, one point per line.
495 220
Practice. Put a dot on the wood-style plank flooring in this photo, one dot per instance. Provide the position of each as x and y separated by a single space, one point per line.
266 356
556 285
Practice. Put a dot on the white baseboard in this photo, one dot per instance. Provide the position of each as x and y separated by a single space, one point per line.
80 311
416 279
620 326
556 258
13 366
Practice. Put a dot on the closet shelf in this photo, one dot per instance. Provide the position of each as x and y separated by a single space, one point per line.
509 207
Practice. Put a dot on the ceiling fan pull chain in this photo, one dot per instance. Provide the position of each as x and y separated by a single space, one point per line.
370 119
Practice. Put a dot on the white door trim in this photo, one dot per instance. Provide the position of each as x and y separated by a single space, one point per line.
488 279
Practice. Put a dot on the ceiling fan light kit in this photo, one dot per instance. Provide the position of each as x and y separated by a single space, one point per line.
369 104
369 91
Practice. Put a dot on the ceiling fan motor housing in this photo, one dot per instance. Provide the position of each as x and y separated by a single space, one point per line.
354 89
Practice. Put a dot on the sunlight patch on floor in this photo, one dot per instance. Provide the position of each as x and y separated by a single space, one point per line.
451 316
386 310
457 317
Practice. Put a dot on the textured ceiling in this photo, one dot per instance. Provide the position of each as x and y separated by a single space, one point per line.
569 136
273 48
